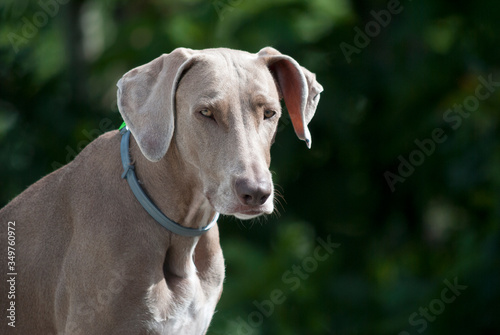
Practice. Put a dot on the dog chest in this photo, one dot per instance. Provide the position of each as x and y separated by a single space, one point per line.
180 306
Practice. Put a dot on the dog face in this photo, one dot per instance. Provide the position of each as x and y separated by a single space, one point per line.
220 109
227 112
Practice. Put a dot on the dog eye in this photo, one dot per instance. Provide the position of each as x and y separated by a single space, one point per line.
207 113
269 114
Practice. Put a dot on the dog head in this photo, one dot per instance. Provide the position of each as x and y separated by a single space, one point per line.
220 109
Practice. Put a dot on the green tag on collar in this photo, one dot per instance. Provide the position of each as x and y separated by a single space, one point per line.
122 126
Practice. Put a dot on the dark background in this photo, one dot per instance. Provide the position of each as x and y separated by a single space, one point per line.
402 178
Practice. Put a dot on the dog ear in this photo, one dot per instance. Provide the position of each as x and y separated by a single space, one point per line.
146 101
297 86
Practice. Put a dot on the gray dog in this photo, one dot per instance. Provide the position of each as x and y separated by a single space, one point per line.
124 240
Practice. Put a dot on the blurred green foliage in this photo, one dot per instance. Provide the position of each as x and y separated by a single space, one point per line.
402 81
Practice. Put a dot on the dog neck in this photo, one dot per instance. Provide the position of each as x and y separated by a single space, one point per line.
173 186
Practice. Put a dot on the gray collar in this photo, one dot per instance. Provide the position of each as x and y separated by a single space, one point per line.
144 200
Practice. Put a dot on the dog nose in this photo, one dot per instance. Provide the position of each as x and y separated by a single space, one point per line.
253 193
